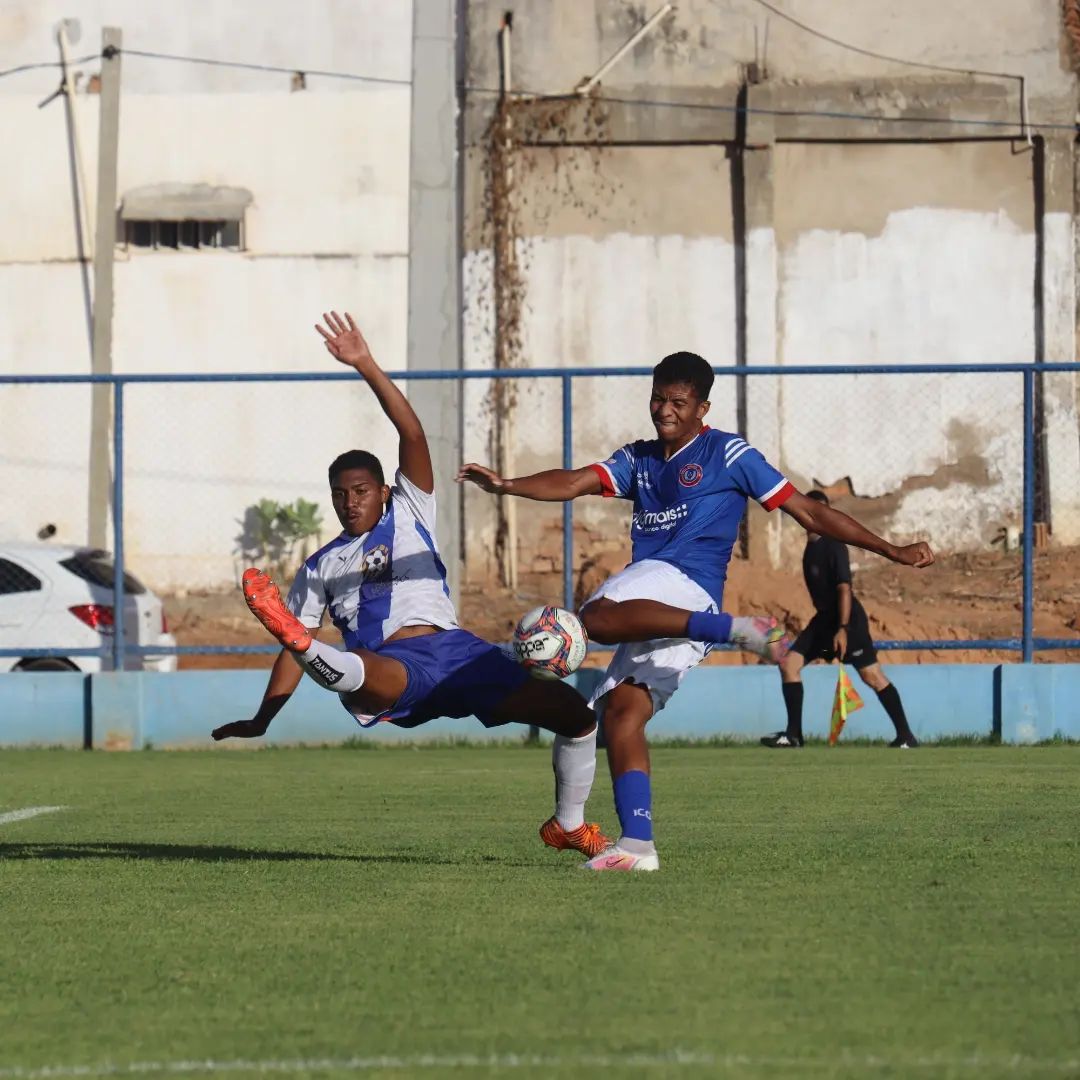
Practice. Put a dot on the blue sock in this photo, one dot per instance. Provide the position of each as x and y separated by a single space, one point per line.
633 804
705 626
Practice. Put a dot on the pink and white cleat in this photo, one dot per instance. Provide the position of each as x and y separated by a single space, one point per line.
761 635
614 857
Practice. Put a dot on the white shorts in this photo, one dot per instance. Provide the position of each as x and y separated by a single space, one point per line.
660 665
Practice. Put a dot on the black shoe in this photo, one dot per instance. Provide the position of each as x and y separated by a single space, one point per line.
904 742
782 741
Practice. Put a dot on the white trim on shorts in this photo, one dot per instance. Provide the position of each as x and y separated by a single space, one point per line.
661 664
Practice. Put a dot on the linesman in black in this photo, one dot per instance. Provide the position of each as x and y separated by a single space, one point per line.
839 628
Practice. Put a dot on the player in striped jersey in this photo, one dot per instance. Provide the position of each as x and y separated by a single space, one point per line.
406 661
689 488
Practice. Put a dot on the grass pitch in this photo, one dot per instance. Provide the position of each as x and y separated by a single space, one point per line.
850 913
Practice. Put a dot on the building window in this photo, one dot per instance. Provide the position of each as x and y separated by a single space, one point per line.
184 235
184 217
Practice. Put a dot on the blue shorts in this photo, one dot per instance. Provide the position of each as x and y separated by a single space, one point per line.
451 673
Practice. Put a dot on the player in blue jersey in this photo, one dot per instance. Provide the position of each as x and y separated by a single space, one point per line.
406 661
689 487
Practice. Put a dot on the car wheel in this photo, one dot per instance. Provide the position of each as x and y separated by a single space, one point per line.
46 663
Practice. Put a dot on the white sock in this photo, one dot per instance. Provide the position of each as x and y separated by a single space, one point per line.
332 668
637 847
574 762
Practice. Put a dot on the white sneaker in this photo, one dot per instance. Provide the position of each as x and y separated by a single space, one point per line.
615 858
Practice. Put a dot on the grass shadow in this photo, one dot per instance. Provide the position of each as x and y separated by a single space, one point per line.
211 853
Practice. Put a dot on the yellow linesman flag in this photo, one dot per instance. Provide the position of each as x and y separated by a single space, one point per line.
846 701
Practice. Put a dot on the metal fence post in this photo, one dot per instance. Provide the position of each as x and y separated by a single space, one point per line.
118 526
568 506
1027 632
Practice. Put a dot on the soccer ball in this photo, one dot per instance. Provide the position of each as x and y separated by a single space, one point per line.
375 561
550 642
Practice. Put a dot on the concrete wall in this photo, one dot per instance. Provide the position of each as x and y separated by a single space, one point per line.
905 253
864 241
703 43
328 168
1020 703
613 275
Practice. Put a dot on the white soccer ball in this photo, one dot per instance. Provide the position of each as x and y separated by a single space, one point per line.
375 561
550 642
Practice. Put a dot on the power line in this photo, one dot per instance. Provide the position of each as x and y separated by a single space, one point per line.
822 114
780 13
755 110
210 62
49 64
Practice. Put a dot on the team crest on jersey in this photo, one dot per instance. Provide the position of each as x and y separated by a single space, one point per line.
376 561
690 475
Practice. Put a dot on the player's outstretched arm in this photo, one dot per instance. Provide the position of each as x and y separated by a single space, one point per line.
553 485
285 676
816 517
346 344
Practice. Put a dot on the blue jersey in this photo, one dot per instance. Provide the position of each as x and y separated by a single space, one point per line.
687 509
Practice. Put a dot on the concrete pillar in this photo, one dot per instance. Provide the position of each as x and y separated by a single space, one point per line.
764 393
434 334
1062 426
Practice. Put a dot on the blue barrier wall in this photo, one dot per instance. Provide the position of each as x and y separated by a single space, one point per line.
36 710
1023 703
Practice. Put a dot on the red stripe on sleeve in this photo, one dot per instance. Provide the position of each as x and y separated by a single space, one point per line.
607 488
780 497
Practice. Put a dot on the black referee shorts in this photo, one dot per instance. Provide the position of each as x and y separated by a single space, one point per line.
816 641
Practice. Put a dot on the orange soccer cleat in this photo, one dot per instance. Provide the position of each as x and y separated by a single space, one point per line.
587 838
264 600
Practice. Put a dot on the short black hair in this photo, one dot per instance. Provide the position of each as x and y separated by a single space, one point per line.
818 496
357 459
685 367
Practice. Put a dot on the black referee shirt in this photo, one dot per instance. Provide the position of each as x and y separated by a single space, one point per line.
825 565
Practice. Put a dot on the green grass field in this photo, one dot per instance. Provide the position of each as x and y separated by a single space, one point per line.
849 913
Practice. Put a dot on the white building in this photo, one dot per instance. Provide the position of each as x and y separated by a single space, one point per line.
326 167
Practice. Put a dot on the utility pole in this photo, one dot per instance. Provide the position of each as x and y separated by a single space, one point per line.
68 33
434 335
104 254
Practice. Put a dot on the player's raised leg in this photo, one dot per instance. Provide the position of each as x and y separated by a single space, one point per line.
615 622
379 680
559 708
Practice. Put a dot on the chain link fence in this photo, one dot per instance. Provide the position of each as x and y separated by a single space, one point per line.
218 473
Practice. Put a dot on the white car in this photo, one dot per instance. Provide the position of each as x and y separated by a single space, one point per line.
57 597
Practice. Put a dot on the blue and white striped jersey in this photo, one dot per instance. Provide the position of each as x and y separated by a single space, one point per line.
375 584
687 508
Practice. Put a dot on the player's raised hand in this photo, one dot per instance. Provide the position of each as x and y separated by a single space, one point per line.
482 477
240 729
344 341
918 555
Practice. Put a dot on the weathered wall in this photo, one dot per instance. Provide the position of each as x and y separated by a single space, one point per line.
623 261
865 241
900 254
703 44
328 169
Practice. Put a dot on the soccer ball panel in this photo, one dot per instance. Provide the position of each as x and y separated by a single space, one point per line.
550 642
